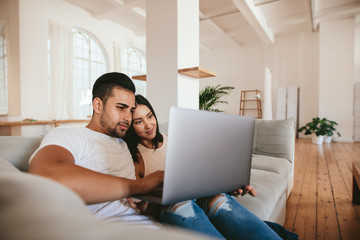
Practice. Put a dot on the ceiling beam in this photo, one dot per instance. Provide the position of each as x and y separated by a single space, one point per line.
257 4
343 11
278 24
103 13
217 28
256 19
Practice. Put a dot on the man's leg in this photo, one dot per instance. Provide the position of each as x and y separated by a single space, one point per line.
234 221
190 216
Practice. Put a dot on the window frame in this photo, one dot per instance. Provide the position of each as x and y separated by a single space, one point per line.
125 63
86 96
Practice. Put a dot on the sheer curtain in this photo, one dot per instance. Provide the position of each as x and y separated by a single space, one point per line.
61 71
267 109
4 107
117 57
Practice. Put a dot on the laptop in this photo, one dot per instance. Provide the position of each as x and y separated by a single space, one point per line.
207 153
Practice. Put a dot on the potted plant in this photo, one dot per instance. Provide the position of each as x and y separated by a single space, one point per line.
330 130
210 96
317 128
321 129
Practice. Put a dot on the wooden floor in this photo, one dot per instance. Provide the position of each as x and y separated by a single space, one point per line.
319 206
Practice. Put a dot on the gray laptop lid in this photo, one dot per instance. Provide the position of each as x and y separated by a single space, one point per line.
207 153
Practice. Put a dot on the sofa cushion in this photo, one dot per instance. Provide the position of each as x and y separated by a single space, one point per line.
18 150
270 188
272 164
36 208
274 138
6 166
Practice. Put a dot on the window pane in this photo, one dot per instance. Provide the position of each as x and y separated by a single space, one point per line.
134 63
89 63
3 76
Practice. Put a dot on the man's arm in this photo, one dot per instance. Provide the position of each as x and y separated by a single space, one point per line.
57 163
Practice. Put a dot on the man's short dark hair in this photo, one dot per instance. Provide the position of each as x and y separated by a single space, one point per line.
104 85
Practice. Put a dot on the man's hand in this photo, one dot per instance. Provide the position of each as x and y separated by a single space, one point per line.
247 190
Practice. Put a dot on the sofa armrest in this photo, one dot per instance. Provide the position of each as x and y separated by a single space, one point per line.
275 138
18 150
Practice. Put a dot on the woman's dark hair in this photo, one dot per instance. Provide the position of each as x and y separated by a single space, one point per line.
104 85
133 140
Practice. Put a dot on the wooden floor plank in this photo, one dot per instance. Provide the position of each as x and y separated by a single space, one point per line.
305 221
347 217
327 224
320 206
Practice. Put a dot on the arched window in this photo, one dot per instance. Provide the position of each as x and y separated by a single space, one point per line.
90 62
134 63
3 73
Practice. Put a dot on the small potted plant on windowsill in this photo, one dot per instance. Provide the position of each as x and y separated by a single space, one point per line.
315 128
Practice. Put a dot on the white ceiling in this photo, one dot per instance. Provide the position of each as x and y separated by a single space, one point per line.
233 21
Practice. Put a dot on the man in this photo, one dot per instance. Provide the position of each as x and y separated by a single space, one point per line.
94 161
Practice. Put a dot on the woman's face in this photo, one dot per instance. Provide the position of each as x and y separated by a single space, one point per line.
144 122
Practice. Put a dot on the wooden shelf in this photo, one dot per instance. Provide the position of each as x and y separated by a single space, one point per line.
197 72
140 77
194 72
55 122
244 98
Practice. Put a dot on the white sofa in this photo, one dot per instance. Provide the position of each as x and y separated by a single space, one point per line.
33 207
37 208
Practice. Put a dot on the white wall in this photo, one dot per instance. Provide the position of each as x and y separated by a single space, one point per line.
28 21
106 31
293 61
321 64
33 59
337 74
240 67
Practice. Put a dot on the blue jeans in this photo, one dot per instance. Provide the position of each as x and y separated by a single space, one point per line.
226 219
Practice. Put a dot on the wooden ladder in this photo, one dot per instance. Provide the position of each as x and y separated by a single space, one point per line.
248 96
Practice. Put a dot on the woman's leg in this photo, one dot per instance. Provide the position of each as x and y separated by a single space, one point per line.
188 215
234 221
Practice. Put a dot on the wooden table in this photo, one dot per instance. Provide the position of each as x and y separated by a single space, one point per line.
356 182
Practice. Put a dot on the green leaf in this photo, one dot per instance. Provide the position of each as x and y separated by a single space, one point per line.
210 96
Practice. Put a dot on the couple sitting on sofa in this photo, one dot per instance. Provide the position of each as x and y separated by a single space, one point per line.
87 161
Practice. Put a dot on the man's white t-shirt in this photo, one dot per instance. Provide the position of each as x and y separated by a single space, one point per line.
100 153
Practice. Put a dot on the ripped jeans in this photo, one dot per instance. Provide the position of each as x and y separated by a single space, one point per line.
226 219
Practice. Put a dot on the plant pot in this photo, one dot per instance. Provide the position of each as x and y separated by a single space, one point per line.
317 139
327 139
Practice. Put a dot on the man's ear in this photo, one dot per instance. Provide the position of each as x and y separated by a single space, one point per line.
97 105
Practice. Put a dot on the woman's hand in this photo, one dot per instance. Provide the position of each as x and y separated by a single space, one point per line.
141 205
247 190
145 208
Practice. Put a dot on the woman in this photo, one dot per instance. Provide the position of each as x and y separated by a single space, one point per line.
220 216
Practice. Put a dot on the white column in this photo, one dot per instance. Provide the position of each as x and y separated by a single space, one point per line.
33 77
172 43
336 74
